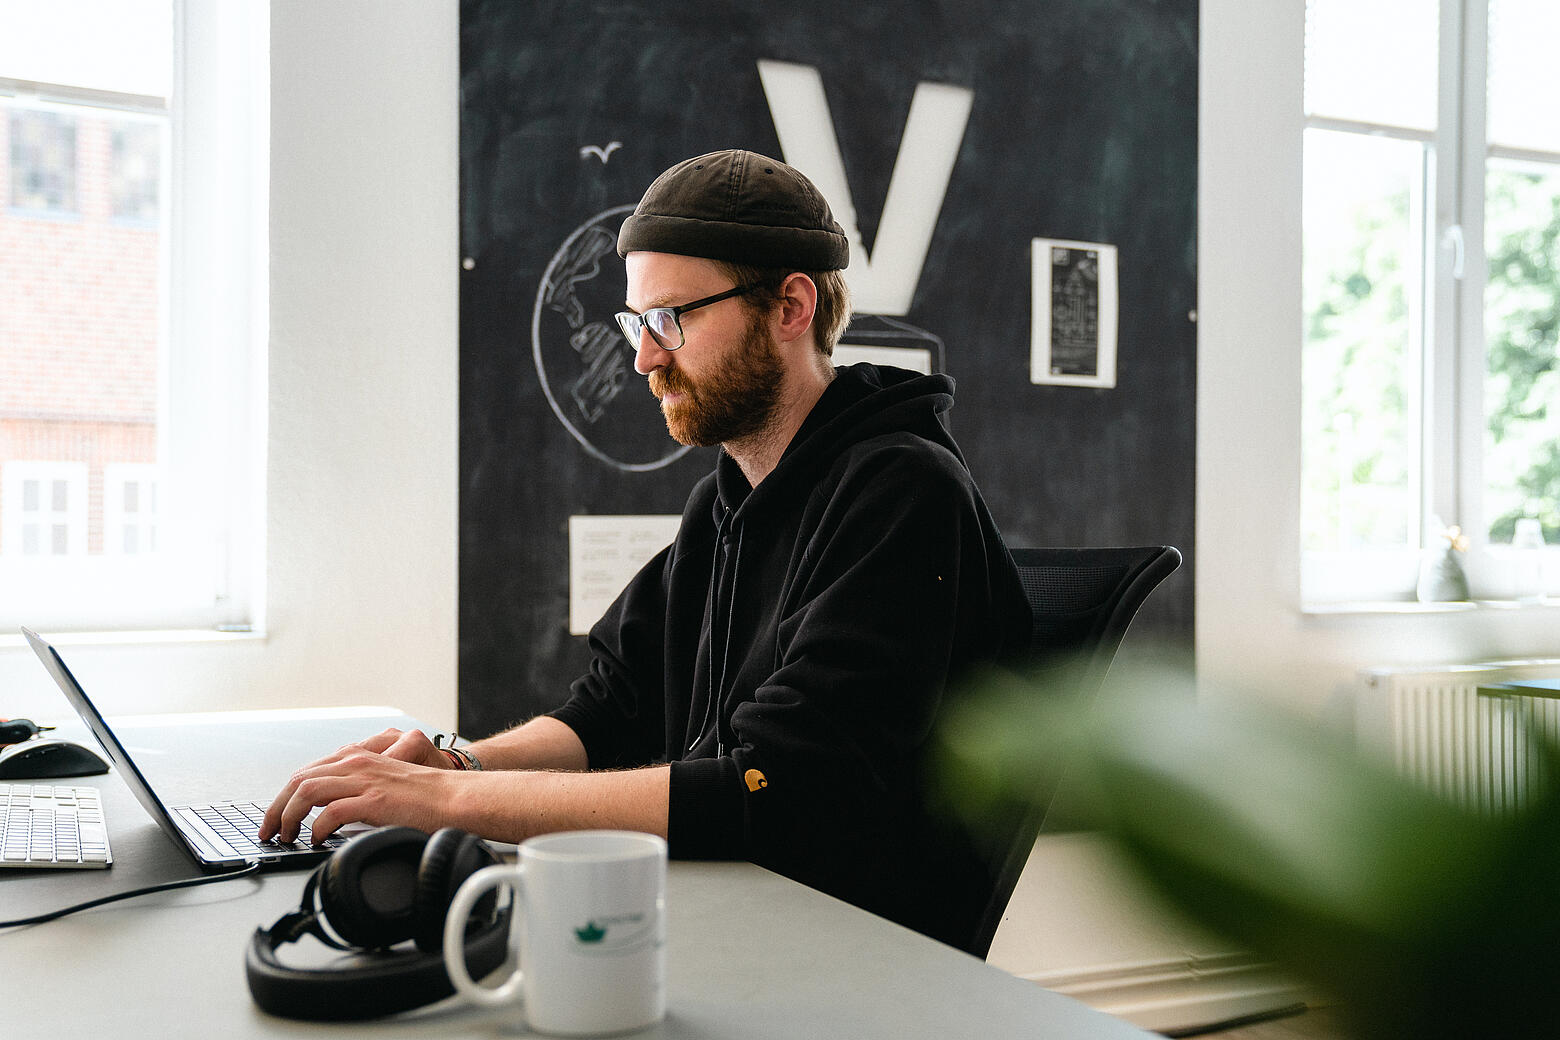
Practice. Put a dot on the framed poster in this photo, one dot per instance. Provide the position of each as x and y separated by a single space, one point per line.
1074 302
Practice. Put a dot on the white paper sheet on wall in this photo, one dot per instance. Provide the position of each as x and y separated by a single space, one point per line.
604 553
907 358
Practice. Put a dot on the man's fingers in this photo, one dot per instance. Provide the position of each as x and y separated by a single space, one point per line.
311 786
275 822
379 743
415 747
337 815
307 795
360 782
360 787
271 824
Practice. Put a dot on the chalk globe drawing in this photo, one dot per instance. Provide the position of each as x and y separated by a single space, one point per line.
585 366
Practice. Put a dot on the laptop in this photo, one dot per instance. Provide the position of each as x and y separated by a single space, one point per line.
219 836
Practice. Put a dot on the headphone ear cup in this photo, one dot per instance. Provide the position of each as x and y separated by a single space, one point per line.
368 893
450 857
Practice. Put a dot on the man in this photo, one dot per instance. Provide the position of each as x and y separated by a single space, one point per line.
763 688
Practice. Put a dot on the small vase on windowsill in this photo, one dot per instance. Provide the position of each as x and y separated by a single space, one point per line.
1441 577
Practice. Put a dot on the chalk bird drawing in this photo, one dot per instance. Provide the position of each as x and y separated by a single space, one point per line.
599 152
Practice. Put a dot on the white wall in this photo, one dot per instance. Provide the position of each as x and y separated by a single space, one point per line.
1250 630
362 471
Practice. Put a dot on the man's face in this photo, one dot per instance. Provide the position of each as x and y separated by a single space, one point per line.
723 384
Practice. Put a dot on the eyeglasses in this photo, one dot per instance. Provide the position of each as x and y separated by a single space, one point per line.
665 323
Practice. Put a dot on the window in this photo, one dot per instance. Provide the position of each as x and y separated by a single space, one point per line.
129 509
45 508
135 168
1431 291
43 161
133 332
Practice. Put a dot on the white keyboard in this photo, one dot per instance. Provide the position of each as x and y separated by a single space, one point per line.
48 826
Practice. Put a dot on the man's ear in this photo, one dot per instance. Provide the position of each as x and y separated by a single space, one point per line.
797 304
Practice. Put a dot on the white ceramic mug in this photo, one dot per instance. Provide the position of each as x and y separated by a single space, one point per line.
589 927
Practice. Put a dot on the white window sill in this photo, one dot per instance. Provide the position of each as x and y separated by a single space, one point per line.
158 637
1415 607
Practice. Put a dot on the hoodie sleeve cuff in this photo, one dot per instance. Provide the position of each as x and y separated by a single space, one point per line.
576 718
706 817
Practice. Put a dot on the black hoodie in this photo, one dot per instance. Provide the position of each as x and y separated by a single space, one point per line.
789 651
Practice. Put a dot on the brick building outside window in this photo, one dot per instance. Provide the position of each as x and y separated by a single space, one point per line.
80 329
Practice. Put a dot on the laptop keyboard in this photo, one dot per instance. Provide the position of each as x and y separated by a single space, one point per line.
237 823
47 826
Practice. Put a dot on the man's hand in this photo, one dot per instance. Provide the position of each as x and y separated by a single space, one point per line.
390 778
536 781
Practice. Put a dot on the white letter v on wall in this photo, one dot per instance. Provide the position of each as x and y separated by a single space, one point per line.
883 283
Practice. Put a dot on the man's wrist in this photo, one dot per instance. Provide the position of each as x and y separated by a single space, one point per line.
459 758
463 759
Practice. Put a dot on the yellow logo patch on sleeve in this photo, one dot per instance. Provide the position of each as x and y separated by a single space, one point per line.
755 780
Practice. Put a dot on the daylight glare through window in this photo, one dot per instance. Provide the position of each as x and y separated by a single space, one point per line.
1431 289
133 299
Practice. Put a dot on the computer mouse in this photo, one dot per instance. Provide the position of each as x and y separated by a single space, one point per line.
47 757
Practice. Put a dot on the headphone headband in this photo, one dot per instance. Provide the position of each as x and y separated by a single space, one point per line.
377 981
383 984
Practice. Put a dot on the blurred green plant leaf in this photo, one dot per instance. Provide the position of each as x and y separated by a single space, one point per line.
1423 918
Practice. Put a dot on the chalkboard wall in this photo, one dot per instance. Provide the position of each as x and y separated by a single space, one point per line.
1079 123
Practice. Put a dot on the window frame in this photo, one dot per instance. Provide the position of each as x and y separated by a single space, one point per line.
214 326
1453 339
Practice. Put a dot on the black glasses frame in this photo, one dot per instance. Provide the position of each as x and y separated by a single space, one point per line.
633 324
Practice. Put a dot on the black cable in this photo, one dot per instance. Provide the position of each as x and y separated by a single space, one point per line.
166 886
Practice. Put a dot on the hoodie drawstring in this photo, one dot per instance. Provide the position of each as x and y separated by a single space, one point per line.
719 596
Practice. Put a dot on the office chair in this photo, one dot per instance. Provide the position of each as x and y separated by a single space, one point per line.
1081 603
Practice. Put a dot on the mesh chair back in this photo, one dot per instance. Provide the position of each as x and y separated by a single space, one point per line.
1081 602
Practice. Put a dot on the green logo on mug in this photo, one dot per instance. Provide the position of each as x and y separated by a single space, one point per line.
613 935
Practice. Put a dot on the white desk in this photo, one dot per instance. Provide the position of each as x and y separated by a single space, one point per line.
750 954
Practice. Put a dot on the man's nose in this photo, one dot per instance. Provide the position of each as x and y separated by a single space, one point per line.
650 355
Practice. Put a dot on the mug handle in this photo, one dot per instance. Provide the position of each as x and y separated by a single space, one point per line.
470 891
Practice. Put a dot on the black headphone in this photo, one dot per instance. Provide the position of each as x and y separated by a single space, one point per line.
382 888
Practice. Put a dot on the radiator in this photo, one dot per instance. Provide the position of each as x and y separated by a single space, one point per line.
1476 751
